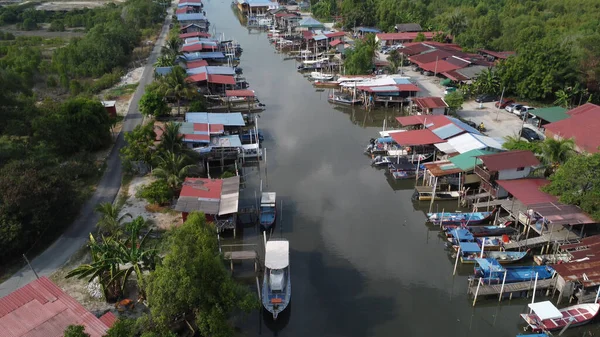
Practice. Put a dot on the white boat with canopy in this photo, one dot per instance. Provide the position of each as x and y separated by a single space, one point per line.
277 286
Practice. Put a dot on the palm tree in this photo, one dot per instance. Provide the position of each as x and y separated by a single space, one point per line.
556 152
456 23
165 61
171 139
173 168
172 47
394 61
372 44
487 82
562 98
176 86
110 222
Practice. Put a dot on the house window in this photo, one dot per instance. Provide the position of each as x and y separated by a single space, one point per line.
521 169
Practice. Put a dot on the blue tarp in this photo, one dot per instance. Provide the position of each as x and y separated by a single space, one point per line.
192 4
462 234
490 265
387 140
469 247
225 118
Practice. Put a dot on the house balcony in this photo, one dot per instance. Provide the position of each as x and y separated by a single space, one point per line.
484 174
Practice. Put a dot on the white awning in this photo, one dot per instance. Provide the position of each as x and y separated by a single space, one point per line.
277 254
268 198
445 147
545 310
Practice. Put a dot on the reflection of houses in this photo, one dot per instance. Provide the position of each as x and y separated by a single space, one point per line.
504 166
430 105
40 308
407 28
582 126
217 198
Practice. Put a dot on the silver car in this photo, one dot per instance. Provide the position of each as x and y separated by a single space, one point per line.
512 107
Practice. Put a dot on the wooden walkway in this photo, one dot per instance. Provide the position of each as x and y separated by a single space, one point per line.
560 236
494 289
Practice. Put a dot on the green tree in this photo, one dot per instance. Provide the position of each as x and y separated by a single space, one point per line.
394 60
57 26
192 281
76 331
153 104
173 169
455 22
455 101
562 98
176 86
487 82
420 37
165 61
557 151
110 222
172 47
516 143
140 146
29 24
157 192
577 183
171 139
359 61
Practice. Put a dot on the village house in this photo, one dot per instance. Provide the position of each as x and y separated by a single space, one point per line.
188 29
430 105
504 166
186 19
582 126
41 308
408 28
388 39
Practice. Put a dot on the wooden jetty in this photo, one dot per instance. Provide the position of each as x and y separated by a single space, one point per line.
241 252
562 236
478 288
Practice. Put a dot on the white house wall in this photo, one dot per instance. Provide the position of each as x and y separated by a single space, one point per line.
513 174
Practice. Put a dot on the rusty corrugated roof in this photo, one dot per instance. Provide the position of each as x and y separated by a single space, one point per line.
509 160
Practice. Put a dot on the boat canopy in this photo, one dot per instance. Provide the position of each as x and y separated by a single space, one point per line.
462 234
469 247
490 264
277 254
385 140
268 198
545 310
387 133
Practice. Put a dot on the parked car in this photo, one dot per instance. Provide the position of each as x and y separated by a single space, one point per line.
504 102
449 90
427 73
530 135
513 106
470 123
523 111
485 98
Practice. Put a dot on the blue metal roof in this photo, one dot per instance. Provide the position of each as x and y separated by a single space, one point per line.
319 37
212 70
225 118
464 125
401 80
448 131
462 234
385 88
190 17
310 22
162 71
489 264
204 55
469 247
367 30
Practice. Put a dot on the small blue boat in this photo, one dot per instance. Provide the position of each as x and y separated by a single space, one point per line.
473 218
458 235
479 231
268 210
469 251
491 272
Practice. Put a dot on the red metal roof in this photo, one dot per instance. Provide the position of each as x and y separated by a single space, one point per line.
335 42
190 48
201 77
527 191
408 87
403 36
440 66
430 103
410 120
498 54
509 160
429 57
430 121
196 64
193 34
239 93
108 319
455 76
307 34
190 137
335 34
583 127
416 137
214 128
202 188
221 79
574 271
41 308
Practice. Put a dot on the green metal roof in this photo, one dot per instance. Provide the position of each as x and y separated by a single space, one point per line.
466 161
551 114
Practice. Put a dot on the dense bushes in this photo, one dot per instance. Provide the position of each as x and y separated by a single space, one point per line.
157 192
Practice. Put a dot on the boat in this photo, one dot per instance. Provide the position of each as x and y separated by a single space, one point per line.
317 75
268 209
326 84
250 136
469 251
381 145
251 152
277 283
545 316
344 99
492 242
472 218
480 231
381 161
401 170
426 193
551 258
491 272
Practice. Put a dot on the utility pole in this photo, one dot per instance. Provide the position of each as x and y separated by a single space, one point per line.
500 103
29 264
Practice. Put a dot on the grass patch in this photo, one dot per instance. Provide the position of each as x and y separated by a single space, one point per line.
121 90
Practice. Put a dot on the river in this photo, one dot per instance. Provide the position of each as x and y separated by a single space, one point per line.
363 262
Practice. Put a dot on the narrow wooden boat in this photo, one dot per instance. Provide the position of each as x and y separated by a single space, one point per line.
546 317
343 99
491 272
473 218
326 84
492 242
404 170
469 251
268 210
426 193
481 231
277 283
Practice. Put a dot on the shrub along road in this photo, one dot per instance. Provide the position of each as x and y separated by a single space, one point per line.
108 187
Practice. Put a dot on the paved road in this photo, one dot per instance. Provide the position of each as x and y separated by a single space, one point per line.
77 234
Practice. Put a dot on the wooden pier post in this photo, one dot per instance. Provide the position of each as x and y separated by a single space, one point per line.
477 291
456 262
502 288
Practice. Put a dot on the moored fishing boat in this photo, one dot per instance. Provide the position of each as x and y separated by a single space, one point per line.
480 231
492 242
472 218
326 84
383 161
317 75
343 99
491 272
469 251
546 317
268 210
401 170
277 284
426 193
